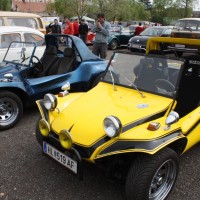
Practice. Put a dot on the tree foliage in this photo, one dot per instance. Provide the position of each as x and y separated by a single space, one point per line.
124 10
5 5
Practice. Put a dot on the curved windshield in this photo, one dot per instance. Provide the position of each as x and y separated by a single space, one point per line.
148 73
20 52
152 31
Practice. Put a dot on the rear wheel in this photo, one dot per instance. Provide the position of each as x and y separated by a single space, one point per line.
152 177
113 45
11 109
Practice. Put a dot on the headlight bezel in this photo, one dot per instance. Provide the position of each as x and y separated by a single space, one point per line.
112 126
50 101
65 139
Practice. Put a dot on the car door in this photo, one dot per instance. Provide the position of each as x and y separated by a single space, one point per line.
125 36
5 40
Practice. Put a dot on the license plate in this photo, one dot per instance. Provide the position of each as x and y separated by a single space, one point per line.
136 45
180 45
60 157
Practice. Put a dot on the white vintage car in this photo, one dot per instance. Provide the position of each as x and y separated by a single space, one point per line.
9 34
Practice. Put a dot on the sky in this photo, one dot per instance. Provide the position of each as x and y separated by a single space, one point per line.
197 5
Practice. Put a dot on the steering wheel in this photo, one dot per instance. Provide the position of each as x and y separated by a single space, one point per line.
164 86
38 67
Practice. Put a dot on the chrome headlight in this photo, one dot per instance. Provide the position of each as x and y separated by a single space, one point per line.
112 126
50 101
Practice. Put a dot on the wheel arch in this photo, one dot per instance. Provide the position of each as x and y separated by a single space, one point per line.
175 141
114 39
17 91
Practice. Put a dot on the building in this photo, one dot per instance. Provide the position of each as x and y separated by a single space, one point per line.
31 6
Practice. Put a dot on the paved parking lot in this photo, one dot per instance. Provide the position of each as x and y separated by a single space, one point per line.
25 174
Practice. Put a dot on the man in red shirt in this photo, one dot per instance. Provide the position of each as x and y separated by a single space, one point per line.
76 28
69 27
139 29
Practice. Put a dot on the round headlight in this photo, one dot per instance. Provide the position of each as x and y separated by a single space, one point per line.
65 139
44 127
112 126
50 101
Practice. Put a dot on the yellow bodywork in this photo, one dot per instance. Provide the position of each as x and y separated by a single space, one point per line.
154 42
84 120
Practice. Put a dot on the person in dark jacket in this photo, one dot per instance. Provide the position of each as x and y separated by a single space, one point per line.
55 28
83 30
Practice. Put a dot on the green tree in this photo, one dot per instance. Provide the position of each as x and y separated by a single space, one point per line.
159 10
5 5
186 6
69 8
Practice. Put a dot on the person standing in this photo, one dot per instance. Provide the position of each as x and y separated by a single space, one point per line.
102 30
139 29
55 28
76 27
83 30
69 27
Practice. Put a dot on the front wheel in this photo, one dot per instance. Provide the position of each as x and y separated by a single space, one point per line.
152 177
11 110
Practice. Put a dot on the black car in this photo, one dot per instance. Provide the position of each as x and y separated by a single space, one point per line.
119 36
138 43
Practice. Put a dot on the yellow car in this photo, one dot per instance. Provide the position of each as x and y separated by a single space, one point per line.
134 124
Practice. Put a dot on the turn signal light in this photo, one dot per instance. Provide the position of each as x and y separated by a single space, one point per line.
153 126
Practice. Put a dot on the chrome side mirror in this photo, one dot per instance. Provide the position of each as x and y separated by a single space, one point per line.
66 86
172 118
8 76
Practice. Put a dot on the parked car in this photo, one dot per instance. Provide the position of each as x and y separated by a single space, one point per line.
22 34
138 43
120 37
134 127
29 20
25 78
186 28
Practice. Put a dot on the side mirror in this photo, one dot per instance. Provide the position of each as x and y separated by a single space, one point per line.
172 118
66 86
8 76
65 89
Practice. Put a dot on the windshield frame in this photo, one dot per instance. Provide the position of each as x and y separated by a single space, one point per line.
23 46
133 86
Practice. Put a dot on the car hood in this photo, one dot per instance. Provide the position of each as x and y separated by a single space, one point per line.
139 39
84 116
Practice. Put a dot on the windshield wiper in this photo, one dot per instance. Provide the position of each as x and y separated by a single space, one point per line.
113 80
132 84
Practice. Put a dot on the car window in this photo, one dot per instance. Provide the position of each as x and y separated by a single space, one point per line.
27 22
187 24
167 32
6 39
1 22
31 37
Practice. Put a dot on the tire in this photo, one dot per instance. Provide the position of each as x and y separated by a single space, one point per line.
145 181
113 45
38 135
11 110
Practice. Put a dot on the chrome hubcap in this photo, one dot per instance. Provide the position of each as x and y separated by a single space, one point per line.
163 181
8 111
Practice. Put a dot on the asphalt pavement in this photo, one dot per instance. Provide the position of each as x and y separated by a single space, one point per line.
25 174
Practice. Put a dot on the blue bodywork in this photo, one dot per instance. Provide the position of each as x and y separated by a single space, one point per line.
30 88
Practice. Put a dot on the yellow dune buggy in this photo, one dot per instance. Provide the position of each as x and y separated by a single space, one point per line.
135 123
